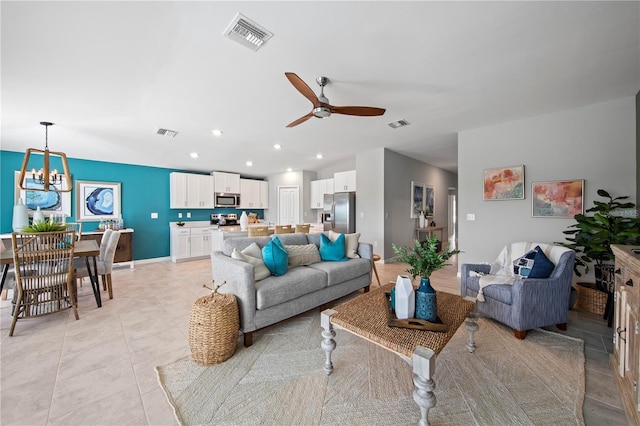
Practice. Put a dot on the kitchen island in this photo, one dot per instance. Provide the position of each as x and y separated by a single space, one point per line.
227 232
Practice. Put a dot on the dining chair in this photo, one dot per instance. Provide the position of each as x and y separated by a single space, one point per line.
283 229
104 241
43 265
76 226
104 264
258 231
303 229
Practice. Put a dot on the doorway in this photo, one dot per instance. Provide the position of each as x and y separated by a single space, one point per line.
288 205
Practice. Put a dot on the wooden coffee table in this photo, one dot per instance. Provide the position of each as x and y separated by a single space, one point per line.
366 316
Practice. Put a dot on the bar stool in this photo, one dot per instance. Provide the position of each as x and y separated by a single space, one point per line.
376 257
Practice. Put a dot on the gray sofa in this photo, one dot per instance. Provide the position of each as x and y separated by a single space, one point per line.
302 288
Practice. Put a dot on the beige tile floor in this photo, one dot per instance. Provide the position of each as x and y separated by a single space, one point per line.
100 370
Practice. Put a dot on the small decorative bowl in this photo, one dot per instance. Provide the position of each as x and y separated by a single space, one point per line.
180 223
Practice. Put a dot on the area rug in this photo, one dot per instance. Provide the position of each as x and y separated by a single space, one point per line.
279 381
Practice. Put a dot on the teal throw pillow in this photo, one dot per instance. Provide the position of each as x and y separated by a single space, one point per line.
275 256
332 250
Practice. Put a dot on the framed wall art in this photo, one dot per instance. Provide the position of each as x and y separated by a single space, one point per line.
561 198
56 203
429 196
504 183
417 198
97 200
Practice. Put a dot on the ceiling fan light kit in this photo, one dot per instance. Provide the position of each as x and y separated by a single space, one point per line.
321 106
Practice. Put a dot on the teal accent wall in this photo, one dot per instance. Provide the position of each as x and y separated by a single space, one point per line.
145 190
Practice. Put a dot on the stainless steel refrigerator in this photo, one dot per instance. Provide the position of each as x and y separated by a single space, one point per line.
340 212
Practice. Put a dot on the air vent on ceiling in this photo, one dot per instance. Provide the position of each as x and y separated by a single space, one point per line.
246 32
166 132
399 123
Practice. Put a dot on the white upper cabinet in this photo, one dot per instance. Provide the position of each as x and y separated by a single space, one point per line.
254 194
344 181
227 182
188 190
318 189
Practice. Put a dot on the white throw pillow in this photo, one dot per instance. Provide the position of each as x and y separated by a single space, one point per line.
350 243
260 270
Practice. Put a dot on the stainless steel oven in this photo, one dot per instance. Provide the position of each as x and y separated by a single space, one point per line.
224 199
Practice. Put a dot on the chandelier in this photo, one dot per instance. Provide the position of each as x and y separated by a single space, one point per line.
50 180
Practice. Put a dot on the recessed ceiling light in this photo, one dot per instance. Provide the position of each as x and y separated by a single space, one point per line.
319 156
277 146
289 169
249 163
194 155
216 132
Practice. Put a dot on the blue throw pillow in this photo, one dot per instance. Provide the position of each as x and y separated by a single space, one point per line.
276 257
332 250
534 264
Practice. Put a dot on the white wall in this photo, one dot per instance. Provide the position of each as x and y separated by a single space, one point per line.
596 143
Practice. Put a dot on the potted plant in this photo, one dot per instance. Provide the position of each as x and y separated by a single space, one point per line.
45 226
592 236
424 259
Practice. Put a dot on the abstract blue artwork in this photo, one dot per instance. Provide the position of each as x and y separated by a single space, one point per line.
97 200
49 202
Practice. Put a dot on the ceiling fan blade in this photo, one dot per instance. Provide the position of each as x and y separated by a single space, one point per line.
358 110
302 88
300 120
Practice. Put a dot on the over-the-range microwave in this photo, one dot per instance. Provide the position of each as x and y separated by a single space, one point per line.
224 199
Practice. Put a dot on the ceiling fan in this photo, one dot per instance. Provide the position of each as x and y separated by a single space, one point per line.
321 106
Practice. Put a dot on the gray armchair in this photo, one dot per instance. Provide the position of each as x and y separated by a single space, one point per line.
522 303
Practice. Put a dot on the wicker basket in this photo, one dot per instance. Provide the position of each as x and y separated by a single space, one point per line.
591 299
213 328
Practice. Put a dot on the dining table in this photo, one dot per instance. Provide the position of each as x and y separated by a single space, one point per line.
87 249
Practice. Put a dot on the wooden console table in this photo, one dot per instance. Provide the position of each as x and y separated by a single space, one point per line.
429 230
124 251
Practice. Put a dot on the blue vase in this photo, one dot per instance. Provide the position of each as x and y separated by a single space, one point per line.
426 301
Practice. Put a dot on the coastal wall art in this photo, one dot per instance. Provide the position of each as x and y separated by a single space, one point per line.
562 198
97 200
504 183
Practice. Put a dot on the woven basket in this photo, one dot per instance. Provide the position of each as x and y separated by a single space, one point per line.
213 328
591 299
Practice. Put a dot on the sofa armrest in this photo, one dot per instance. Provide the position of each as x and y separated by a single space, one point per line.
240 280
475 267
365 250
540 299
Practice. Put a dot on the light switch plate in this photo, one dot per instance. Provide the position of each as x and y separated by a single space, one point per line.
471 216
154 215
179 215
188 215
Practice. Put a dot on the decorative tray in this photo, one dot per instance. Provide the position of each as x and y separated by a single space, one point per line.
413 323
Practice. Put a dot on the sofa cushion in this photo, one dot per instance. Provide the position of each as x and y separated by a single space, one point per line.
260 270
295 283
332 251
275 256
242 243
338 272
302 254
350 243
292 239
499 292
534 264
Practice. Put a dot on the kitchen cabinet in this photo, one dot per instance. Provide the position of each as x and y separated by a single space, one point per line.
625 359
254 194
318 189
344 181
189 243
227 182
189 190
